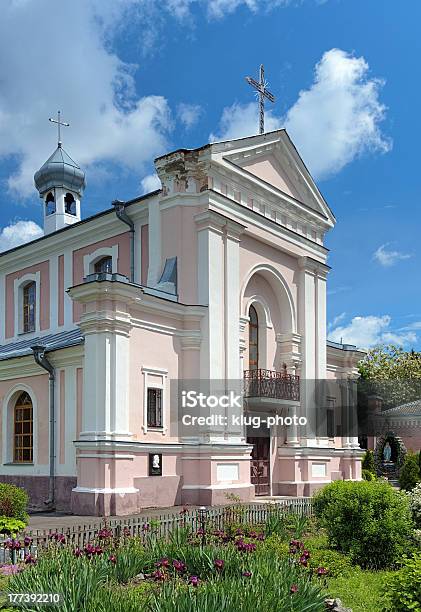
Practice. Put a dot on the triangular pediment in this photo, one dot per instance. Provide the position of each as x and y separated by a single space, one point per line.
273 160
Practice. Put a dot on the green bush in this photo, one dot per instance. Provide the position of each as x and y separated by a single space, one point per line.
11 526
410 472
336 563
415 504
367 475
368 462
371 521
403 589
13 502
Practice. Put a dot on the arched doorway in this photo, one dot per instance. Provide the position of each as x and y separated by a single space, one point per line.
23 428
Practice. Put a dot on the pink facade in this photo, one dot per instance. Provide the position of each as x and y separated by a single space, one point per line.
233 232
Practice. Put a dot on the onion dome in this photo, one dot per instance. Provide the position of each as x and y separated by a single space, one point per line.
60 170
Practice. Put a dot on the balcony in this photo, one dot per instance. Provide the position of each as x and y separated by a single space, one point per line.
269 384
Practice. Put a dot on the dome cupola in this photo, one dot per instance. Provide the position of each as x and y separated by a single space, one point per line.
60 183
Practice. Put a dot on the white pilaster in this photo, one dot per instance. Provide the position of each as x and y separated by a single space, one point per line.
155 249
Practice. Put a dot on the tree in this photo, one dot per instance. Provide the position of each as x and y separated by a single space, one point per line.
391 373
410 472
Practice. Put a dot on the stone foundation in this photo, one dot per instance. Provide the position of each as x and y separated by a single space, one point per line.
37 489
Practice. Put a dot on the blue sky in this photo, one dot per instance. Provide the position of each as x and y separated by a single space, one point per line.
136 78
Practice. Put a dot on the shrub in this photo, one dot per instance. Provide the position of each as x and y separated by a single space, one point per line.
410 473
11 526
403 589
367 475
336 563
368 462
369 520
415 504
13 502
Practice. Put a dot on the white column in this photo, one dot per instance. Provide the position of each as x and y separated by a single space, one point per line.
106 378
155 250
232 302
210 283
68 282
2 308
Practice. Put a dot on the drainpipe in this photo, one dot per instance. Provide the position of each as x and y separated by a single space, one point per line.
42 361
120 210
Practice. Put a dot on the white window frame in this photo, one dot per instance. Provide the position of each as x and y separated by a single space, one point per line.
8 429
18 287
153 384
91 259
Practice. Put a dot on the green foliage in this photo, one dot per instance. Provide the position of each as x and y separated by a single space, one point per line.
268 588
367 475
403 589
410 473
58 571
336 563
362 591
300 522
415 504
13 502
371 521
368 462
391 373
11 526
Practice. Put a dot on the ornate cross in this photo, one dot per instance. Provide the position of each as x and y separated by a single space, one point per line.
59 124
262 92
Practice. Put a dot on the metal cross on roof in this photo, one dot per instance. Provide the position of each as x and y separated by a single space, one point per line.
59 124
262 92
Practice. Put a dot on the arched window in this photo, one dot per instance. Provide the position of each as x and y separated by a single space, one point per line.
69 204
23 427
50 204
253 339
29 307
104 265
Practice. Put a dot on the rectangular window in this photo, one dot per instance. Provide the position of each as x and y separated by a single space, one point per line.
154 407
330 421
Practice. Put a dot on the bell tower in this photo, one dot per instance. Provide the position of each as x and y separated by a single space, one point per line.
60 183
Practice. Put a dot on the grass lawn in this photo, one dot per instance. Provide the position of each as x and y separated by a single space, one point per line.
361 591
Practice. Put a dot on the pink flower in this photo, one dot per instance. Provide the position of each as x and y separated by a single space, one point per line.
77 552
219 564
293 588
194 581
103 534
10 570
112 559
321 571
146 527
247 574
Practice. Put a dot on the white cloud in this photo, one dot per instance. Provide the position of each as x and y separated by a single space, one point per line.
369 331
150 183
332 122
19 233
189 114
67 63
387 257
241 120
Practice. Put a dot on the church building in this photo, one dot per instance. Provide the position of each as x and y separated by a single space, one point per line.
220 275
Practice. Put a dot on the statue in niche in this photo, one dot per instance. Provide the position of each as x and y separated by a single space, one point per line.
387 452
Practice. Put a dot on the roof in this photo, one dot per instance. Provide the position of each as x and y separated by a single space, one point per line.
409 409
74 226
60 170
52 342
343 347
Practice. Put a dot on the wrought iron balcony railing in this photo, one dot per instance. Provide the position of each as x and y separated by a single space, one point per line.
271 384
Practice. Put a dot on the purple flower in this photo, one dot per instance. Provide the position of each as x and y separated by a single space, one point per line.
126 532
146 527
261 537
27 541
158 575
163 563
104 534
303 561
321 571
77 552
89 550
179 566
293 588
247 574
219 564
98 550
200 531
9 569
194 581
29 559
112 559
